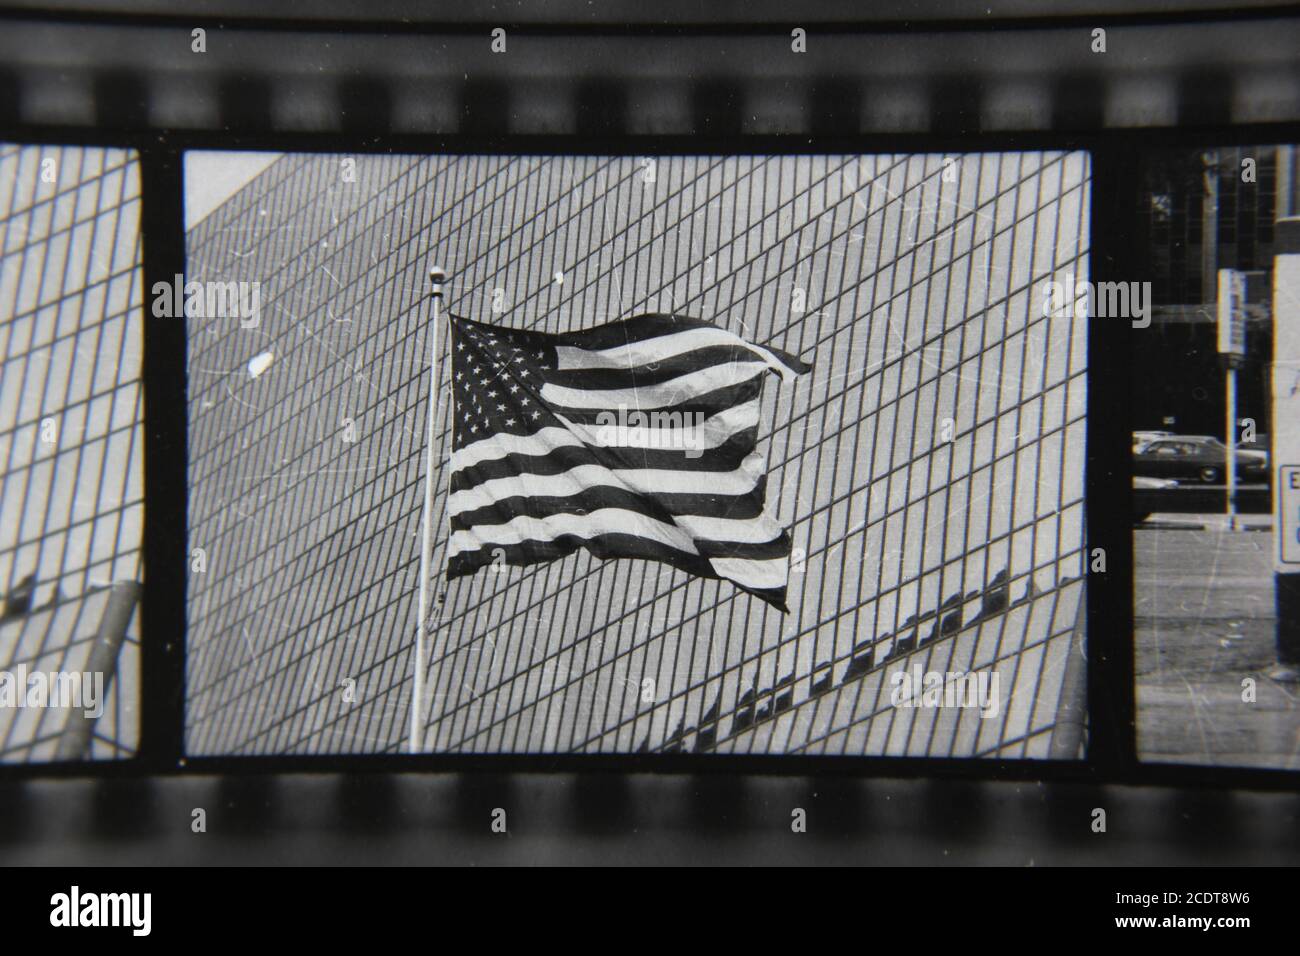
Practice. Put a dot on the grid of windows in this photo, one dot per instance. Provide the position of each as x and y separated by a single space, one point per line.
71 437
930 467
1175 196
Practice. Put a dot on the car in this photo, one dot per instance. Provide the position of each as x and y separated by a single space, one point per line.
1144 438
1200 458
1256 450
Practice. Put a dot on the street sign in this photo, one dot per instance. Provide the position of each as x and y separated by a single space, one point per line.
1284 418
1232 312
1288 525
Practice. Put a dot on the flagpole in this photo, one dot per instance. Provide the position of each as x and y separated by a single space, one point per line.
436 277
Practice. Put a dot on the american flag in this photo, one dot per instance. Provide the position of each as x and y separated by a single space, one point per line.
635 439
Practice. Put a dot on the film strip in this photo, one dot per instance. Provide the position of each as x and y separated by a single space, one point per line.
840 83
888 77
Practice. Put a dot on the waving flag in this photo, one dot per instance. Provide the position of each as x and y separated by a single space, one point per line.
636 439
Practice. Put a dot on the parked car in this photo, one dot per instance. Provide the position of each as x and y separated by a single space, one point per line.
1256 450
1145 438
1200 458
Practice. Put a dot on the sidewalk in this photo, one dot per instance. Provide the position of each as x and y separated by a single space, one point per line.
1203 615
1206 522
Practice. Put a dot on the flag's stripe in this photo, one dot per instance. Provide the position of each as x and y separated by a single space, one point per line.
702 501
667 394
713 534
639 328
753 564
726 458
753 574
778 547
604 521
646 481
649 351
720 534
617 545
658 432
707 404
503 444
717 430
606 376
605 547
545 506
634 328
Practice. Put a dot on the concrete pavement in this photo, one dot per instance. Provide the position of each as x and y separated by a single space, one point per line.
1213 521
1203 616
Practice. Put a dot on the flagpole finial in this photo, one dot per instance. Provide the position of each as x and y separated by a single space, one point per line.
437 276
